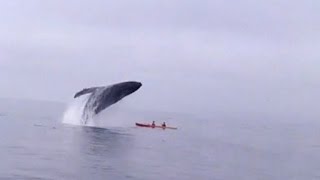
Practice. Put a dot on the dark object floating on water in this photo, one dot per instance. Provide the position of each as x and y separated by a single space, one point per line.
150 126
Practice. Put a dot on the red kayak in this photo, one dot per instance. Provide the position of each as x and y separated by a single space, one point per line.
150 126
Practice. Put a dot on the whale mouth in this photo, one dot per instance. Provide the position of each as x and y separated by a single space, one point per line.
137 85
140 84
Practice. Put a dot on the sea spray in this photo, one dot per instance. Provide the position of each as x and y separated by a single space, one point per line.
74 112
80 111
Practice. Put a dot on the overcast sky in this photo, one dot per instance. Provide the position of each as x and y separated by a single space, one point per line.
192 55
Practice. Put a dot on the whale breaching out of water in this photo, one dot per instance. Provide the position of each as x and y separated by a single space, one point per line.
102 97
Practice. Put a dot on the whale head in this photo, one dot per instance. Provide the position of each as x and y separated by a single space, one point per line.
125 88
115 93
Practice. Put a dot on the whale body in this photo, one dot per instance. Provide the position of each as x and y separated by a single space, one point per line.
104 96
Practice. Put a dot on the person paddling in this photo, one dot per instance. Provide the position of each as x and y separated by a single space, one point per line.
164 125
153 125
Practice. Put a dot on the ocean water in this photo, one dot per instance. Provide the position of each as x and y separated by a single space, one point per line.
36 144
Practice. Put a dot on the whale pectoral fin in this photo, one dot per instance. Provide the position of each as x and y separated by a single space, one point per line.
85 91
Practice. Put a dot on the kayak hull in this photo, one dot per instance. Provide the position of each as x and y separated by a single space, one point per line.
150 126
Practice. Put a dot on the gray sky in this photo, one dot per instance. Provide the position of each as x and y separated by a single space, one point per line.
198 56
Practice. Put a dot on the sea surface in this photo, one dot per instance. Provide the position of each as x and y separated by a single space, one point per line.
35 144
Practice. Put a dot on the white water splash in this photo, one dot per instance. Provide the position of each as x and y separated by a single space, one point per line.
80 112
74 111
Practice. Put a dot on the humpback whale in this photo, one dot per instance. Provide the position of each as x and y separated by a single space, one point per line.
104 96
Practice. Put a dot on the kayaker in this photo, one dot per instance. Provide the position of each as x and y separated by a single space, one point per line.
163 124
153 124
